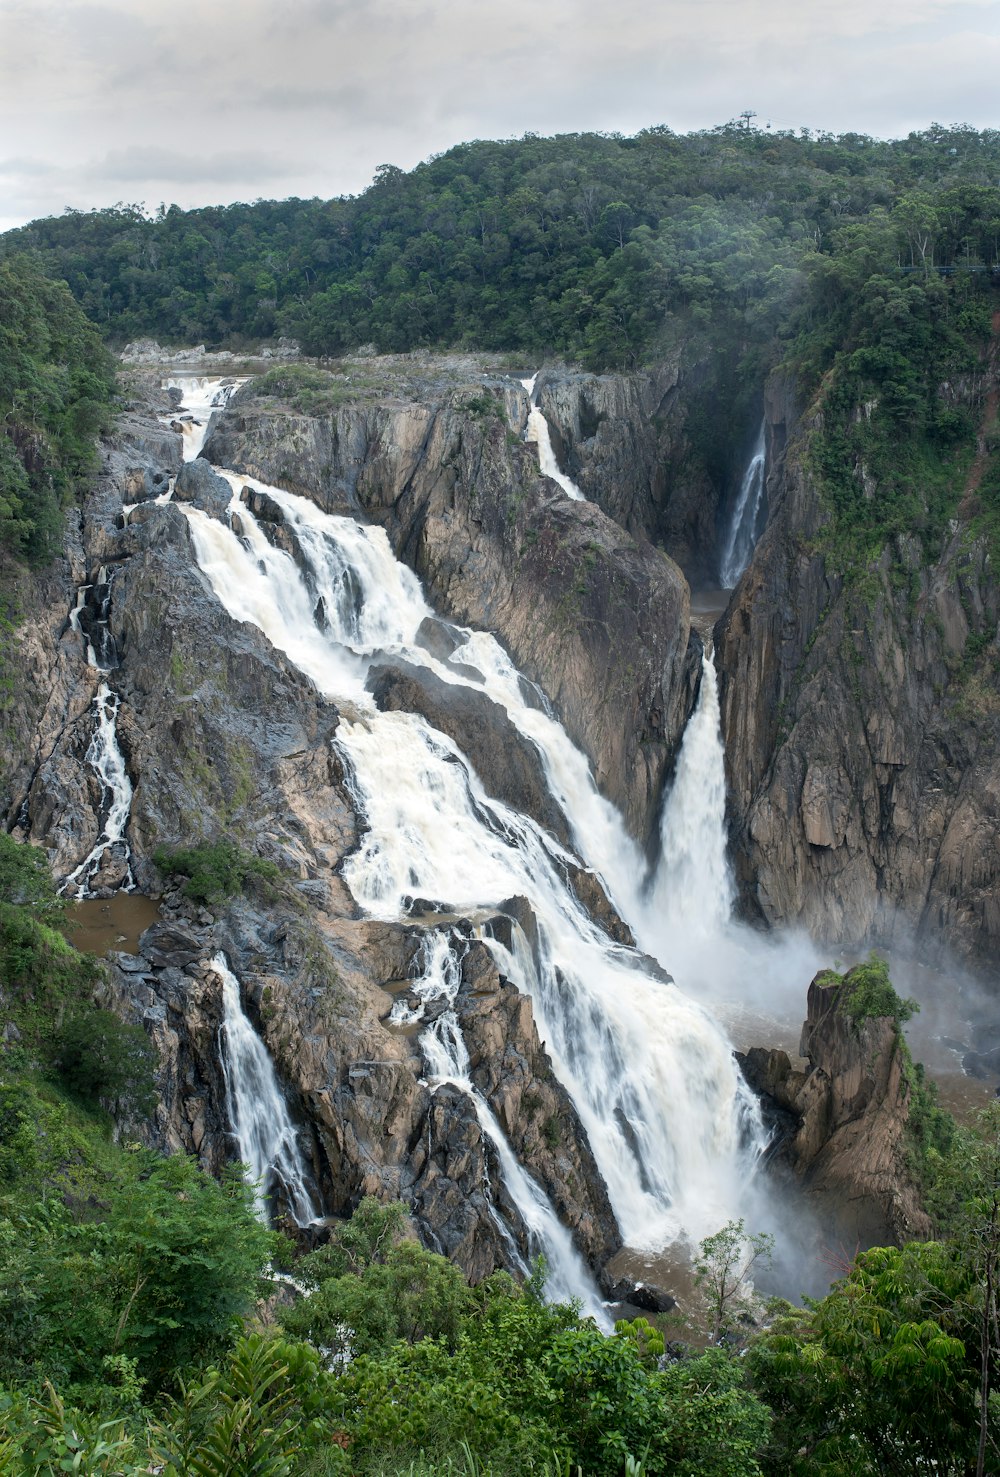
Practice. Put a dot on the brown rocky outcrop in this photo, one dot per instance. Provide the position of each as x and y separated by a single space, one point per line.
862 728
598 618
850 1108
222 736
622 439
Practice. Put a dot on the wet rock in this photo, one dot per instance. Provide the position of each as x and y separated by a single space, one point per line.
508 764
169 944
590 891
199 485
850 1108
644 1295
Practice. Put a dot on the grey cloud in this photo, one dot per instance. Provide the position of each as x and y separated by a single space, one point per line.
138 163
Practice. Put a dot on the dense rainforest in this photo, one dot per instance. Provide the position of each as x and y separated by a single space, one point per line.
867 268
145 1329
144 1321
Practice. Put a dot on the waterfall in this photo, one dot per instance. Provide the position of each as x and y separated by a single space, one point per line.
106 759
692 893
538 432
649 1071
90 617
447 1060
744 530
201 396
257 1111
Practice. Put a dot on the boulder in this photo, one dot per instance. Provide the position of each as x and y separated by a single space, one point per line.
197 483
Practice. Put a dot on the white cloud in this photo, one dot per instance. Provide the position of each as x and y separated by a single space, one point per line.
308 96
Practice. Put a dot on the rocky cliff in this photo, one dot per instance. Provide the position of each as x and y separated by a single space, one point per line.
220 734
862 726
625 439
598 618
850 1107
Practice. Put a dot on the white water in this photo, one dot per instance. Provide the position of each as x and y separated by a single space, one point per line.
201 397
743 530
447 1060
106 759
650 1072
692 892
257 1112
538 432
74 620
105 658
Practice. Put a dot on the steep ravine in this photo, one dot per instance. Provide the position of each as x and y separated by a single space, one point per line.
862 729
221 733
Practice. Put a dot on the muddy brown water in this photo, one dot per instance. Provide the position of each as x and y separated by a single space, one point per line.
96 924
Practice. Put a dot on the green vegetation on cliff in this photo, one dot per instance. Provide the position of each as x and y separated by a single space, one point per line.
56 386
139 1330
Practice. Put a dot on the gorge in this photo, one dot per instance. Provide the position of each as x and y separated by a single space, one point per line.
449 977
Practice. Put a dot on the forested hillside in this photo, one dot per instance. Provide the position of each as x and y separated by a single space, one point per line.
585 245
871 263
56 386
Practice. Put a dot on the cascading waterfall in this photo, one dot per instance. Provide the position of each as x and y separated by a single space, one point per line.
538 432
90 617
194 414
650 1073
692 891
257 1112
447 1060
106 759
744 529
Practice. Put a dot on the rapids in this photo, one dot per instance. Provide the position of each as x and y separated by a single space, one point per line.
673 1128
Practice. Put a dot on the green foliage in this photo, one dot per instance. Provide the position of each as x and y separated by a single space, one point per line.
56 386
40 1437
215 869
25 880
41 975
160 1264
877 1377
255 1416
723 1270
101 1059
411 1294
868 993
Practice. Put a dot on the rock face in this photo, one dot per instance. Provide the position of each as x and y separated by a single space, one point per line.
369 1124
621 439
222 736
862 729
198 484
849 1111
508 764
598 618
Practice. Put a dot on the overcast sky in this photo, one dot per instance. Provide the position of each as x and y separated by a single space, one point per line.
165 100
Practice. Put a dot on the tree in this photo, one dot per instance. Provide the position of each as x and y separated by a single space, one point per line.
722 1272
